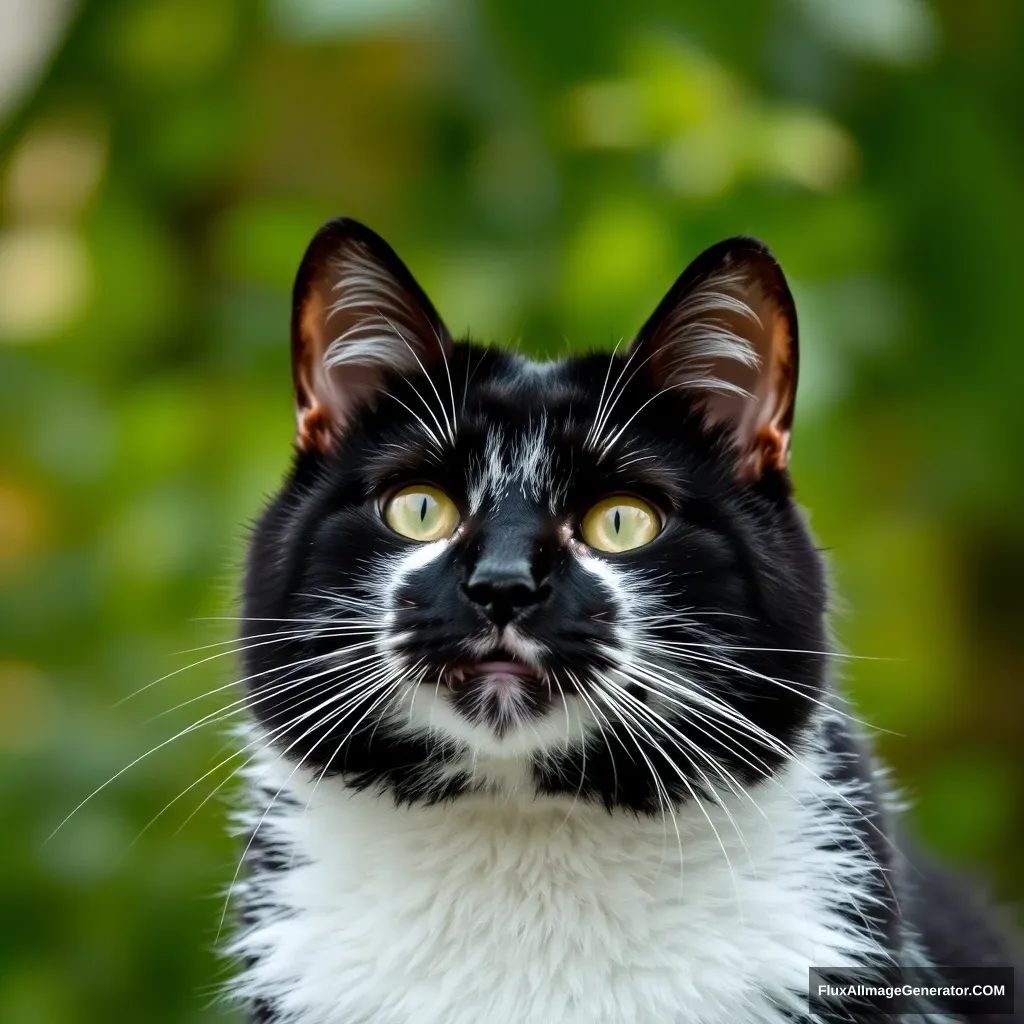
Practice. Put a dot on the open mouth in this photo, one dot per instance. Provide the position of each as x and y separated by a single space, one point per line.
498 691
505 669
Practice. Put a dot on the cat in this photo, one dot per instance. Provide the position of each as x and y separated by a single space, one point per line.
540 684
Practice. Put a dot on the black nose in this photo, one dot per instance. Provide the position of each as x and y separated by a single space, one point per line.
503 589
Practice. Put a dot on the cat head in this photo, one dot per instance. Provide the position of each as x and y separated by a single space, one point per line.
588 576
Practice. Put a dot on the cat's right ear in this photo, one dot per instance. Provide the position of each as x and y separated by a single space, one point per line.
357 315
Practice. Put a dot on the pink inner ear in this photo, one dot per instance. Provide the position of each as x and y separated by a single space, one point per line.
354 322
731 343
319 410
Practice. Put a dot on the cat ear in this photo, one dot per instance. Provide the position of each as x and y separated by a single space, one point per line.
727 333
357 315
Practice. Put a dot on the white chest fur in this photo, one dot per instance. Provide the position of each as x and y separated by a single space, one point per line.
530 912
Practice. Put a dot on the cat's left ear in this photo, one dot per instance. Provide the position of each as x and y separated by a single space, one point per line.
726 332
357 316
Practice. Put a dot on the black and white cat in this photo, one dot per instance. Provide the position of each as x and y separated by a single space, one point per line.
540 679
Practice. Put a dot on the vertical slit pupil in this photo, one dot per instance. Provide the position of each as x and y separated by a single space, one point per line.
423 508
618 520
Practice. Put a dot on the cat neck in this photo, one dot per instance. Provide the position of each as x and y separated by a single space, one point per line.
456 906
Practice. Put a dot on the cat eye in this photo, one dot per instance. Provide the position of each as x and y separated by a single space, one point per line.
620 523
421 513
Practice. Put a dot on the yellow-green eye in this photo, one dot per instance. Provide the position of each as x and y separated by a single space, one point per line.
421 513
620 523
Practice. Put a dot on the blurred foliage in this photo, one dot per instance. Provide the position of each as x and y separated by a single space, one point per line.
546 169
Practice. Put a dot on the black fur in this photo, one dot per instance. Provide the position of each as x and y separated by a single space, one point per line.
749 566
734 564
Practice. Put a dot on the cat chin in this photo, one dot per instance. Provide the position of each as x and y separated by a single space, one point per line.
506 730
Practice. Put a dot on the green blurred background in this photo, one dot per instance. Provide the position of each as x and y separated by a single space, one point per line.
546 168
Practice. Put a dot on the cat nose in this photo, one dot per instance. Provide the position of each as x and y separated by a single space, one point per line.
503 589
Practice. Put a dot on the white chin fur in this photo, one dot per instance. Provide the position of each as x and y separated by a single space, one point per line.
427 710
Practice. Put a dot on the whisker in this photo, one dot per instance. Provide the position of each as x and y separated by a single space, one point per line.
282 638
451 426
339 655
664 799
664 727
269 808
212 717
785 684
273 735
682 645
693 691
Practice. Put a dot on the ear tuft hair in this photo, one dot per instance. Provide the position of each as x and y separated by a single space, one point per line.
727 332
357 315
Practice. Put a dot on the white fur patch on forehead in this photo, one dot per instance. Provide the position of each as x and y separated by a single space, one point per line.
540 372
523 460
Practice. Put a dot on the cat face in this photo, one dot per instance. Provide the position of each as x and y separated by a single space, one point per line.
590 570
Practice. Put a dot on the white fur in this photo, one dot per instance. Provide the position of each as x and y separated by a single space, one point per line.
698 337
524 462
547 910
710 341
383 329
427 710
377 309
507 908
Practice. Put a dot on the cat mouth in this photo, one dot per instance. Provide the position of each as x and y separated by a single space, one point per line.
498 691
499 668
